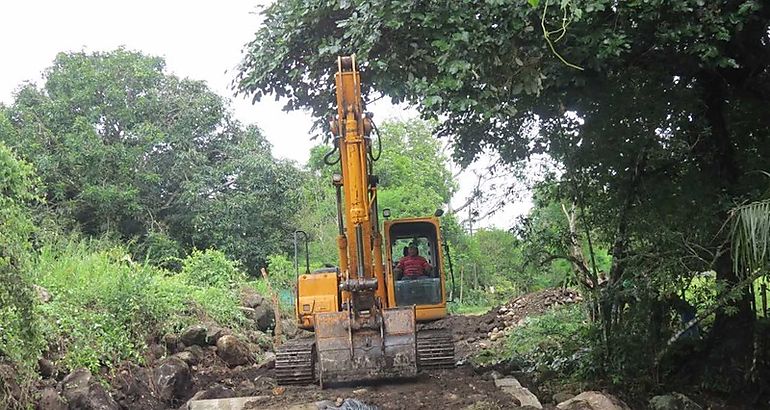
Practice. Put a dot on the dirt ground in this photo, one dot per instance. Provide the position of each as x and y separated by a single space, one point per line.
457 388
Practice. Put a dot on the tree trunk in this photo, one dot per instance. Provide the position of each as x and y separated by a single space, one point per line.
731 337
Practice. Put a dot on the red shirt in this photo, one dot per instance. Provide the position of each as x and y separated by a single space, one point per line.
413 265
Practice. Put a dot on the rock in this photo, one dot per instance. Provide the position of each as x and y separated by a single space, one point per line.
196 350
233 351
262 317
83 392
187 357
512 386
51 400
46 368
562 396
251 299
217 391
213 333
194 335
172 379
261 338
593 400
43 295
267 361
170 340
289 328
157 351
360 391
246 388
8 382
673 401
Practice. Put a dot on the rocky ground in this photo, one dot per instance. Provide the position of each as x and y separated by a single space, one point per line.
207 362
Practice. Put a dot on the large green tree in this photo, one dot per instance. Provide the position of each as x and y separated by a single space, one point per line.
652 109
125 148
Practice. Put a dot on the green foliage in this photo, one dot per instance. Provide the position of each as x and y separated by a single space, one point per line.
125 148
210 268
554 344
105 306
20 337
281 272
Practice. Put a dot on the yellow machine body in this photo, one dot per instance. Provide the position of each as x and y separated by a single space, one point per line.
364 318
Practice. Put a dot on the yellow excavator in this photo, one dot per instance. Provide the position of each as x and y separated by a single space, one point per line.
365 312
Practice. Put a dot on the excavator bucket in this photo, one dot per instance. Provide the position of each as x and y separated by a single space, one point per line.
346 354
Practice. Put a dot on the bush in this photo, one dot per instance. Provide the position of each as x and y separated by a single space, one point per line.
106 307
20 340
556 342
211 268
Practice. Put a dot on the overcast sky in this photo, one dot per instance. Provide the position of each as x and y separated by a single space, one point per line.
199 40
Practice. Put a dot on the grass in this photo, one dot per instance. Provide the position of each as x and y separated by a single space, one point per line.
106 307
463 309
553 342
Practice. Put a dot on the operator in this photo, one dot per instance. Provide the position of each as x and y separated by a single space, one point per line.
412 265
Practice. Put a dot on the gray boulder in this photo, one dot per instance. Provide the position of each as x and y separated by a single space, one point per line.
51 400
84 393
213 333
593 400
512 386
673 401
233 351
194 335
172 379
251 299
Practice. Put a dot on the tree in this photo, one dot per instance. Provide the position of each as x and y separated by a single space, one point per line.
20 340
651 109
414 181
125 148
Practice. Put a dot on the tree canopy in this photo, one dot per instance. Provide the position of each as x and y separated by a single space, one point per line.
653 112
124 147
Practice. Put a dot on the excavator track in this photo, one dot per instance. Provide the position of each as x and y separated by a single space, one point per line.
435 349
295 362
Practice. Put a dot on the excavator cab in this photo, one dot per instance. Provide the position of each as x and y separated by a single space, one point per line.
426 292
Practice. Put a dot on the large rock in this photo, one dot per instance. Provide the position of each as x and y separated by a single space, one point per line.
46 368
263 316
51 400
673 401
194 335
593 400
187 357
172 379
233 351
525 397
84 393
251 299
213 333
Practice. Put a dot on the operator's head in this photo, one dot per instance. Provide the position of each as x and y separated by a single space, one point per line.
412 250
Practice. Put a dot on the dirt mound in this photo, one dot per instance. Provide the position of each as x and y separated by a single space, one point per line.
476 330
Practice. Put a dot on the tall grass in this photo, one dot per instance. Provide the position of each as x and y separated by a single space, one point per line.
106 307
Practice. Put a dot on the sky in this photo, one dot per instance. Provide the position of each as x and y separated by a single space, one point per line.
200 40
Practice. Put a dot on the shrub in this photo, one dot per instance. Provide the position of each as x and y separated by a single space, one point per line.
556 342
211 268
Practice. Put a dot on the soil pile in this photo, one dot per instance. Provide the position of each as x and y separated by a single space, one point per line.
468 330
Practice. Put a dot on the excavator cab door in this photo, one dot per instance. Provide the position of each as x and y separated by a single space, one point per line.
427 291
